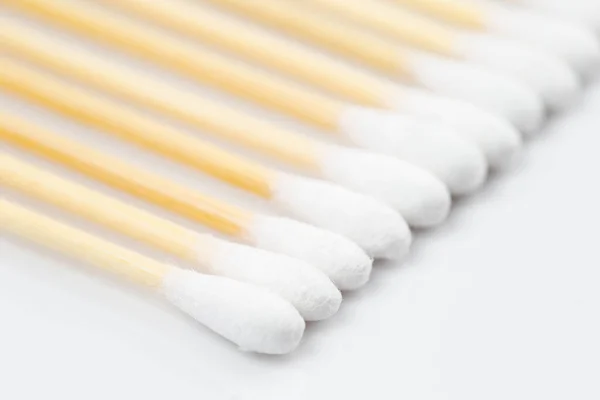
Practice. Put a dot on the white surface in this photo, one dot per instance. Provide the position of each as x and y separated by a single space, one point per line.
500 302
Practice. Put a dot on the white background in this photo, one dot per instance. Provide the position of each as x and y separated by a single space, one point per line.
501 302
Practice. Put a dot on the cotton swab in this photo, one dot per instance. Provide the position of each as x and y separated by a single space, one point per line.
574 44
461 160
458 12
549 76
358 217
495 137
339 258
421 198
306 288
378 228
495 92
252 318
342 260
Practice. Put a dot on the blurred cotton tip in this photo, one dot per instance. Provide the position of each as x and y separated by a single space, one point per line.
499 141
494 92
305 287
421 198
456 162
379 230
342 260
574 44
547 75
253 318
585 12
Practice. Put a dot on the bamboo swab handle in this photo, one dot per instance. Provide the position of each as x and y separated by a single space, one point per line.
449 10
98 208
202 24
131 125
79 245
129 84
114 172
205 65
295 19
400 24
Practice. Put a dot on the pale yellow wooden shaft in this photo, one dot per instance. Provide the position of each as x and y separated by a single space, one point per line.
101 209
202 64
130 124
139 88
77 244
263 47
461 14
387 18
123 176
296 19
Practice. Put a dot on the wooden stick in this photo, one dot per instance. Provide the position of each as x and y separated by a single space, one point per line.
263 47
79 245
123 176
404 26
130 84
296 19
466 15
252 317
132 125
102 209
202 64
289 278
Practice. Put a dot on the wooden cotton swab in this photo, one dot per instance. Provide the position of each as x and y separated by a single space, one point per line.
346 265
574 44
496 93
306 288
420 198
251 317
372 225
455 11
495 136
446 155
549 76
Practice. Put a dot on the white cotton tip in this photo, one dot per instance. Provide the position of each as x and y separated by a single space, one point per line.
574 44
547 75
379 230
494 92
456 162
499 141
251 317
304 286
586 12
342 260
421 198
